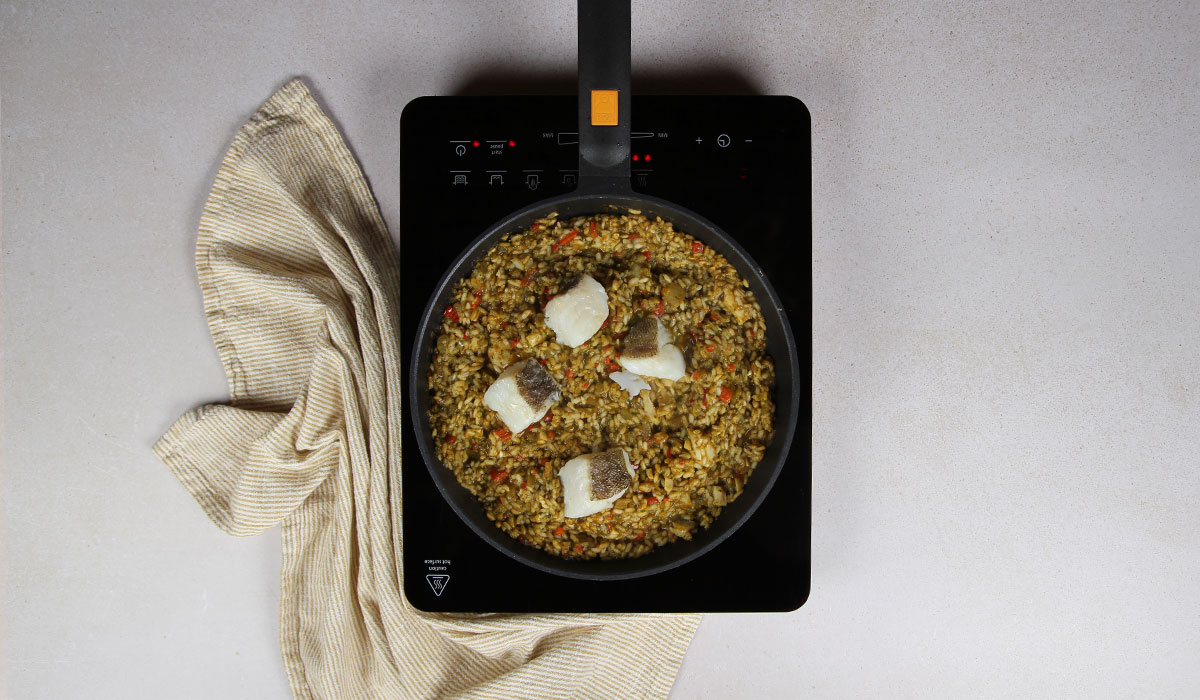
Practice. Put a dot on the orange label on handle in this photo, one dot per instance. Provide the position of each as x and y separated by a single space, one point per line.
604 108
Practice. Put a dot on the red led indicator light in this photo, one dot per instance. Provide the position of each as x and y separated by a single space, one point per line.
635 156
511 142
647 157
475 143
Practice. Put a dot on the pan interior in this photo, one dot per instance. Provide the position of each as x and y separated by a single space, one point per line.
780 345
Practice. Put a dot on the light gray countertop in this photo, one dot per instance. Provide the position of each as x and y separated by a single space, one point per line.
1006 314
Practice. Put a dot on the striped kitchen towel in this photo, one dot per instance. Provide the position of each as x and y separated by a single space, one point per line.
299 278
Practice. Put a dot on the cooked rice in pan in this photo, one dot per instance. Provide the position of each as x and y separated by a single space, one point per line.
694 442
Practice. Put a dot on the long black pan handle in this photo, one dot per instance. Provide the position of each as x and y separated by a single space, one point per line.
604 94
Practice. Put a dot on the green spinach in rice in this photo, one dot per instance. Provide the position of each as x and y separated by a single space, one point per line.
693 442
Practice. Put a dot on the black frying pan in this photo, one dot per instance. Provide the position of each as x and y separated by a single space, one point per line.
604 187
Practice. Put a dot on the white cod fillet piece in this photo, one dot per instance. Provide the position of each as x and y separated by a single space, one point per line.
522 394
577 313
593 482
630 382
648 351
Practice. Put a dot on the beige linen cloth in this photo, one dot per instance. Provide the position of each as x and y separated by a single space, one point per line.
299 283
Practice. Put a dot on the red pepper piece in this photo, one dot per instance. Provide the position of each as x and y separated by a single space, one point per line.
579 548
592 229
731 366
570 373
503 433
639 536
697 248
451 313
559 531
646 253
450 439
498 475
565 240
725 395
651 499
659 309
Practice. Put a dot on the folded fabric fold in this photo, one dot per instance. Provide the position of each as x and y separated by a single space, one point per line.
298 277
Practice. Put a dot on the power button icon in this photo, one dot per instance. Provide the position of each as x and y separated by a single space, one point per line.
723 140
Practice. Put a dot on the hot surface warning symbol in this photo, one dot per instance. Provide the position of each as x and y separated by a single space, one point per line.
437 582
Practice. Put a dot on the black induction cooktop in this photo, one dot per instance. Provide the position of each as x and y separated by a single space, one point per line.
745 164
